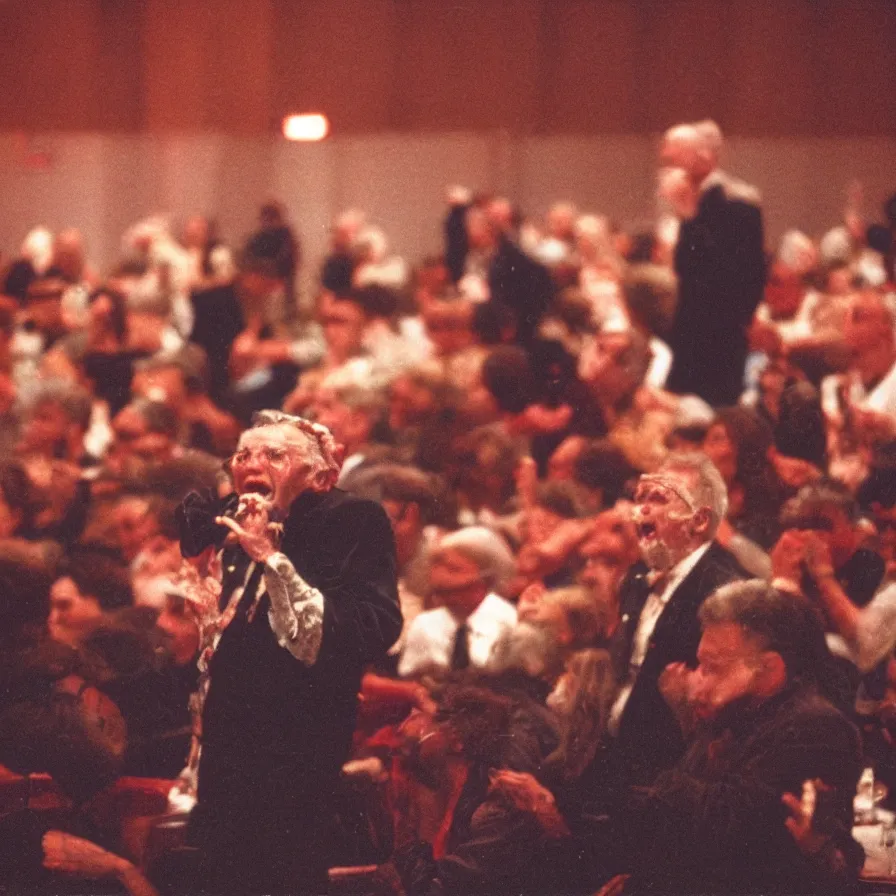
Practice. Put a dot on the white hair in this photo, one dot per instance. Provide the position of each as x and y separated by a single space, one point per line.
794 248
373 241
709 489
37 247
710 135
486 549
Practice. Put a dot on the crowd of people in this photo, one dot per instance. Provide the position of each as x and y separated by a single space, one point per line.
575 545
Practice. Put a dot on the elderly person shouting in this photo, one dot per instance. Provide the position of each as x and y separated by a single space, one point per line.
307 598
467 567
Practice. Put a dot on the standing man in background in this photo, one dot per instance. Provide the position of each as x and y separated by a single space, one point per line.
720 263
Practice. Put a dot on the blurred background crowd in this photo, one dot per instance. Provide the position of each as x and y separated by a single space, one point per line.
502 398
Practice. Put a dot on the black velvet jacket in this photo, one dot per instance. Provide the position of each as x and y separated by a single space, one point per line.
275 730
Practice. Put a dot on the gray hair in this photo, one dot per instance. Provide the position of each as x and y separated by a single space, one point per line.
528 648
776 621
486 549
318 438
709 488
74 400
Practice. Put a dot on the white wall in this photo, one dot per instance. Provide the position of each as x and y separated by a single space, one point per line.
102 183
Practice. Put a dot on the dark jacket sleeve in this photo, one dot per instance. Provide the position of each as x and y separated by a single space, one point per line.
456 245
737 820
361 610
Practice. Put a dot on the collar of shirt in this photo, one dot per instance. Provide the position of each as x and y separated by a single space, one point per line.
681 571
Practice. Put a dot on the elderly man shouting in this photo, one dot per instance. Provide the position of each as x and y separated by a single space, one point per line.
307 599
676 514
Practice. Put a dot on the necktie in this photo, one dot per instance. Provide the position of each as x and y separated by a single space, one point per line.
460 655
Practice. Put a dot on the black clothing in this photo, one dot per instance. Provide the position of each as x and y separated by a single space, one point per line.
649 737
460 654
521 284
715 822
19 276
218 320
22 855
276 732
720 263
337 273
516 281
111 374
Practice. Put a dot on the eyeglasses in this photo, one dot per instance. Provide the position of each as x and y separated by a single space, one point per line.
276 457
656 490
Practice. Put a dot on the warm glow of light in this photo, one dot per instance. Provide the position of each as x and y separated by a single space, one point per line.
306 127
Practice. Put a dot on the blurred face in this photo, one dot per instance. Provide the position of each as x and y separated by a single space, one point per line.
343 325
561 221
73 615
133 525
729 667
100 314
178 624
479 231
350 426
274 464
677 189
783 293
406 527
409 403
455 582
600 368
837 532
539 524
46 430
609 552
529 600
46 314
196 232
681 149
664 514
448 328
867 323
839 282
719 448
134 446
165 385
885 522
550 615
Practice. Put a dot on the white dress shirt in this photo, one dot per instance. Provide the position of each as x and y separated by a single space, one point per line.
650 614
430 639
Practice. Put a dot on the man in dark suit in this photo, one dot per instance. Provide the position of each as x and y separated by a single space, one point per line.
677 512
479 238
720 263
308 599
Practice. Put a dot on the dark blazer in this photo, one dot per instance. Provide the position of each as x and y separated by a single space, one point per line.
720 263
515 280
218 320
276 732
649 737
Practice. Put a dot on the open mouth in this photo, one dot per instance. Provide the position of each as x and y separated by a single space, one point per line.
258 487
646 531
